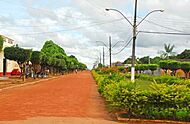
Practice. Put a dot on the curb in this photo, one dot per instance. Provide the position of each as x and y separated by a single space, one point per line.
153 121
25 84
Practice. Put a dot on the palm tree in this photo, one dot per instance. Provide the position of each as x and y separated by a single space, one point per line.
168 51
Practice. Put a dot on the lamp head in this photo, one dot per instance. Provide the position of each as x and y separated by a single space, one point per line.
107 9
162 10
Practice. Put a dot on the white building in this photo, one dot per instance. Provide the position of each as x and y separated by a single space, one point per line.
7 66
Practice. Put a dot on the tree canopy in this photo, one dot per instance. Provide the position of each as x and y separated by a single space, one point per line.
17 54
36 57
184 55
54 57
144 60
168 51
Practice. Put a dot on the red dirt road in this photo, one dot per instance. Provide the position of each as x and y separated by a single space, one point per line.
73 95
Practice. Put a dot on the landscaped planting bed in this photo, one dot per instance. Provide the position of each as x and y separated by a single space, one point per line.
164 98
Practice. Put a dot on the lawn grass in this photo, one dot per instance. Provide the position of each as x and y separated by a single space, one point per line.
143 84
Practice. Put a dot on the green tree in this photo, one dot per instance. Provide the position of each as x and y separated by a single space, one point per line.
184 55
185 66
19 55
128 61
141 67
52 56
173 66
1 43
144 60
55 58
152 67
36 59
168 51
82 66
164 64
156 60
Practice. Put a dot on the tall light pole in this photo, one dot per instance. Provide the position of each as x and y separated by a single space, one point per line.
110 49
110 46
133 47
134 26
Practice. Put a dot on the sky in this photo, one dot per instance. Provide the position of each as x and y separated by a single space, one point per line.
77 25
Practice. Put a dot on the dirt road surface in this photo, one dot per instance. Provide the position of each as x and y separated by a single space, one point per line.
69 99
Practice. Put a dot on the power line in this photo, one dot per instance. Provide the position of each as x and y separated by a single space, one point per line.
53 25
98 8
167 33
172 19
76 28
123 47
169 28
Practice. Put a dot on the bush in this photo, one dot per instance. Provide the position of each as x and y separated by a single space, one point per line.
185 66
161 79
121 69
152 67
163 101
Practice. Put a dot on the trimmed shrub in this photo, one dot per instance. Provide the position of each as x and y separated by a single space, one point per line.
164 100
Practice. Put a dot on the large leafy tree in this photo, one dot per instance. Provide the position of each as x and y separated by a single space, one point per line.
1 43
52 56
168 51
36 59
19 55
144 60
156 60
55 58
184 55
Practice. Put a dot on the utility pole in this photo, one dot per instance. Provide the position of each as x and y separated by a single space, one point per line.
103 57
109 46
133 47
134 26
110 49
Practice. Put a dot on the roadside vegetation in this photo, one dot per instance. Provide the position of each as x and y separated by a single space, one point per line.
52 60
150 97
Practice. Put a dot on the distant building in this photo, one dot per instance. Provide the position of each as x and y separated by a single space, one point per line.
7 66
116 64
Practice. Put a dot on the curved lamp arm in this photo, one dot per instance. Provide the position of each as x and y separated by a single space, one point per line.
148 15
121 14
102 43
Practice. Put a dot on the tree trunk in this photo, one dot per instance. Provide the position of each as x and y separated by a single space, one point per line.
24 71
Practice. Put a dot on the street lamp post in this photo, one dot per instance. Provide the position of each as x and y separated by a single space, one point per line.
109 48
134 25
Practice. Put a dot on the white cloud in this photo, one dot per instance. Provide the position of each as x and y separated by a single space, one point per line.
83 22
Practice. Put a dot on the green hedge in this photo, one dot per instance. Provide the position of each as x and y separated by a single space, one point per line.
162 102
161 79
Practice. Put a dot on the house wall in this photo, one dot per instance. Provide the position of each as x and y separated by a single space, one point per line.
10 64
